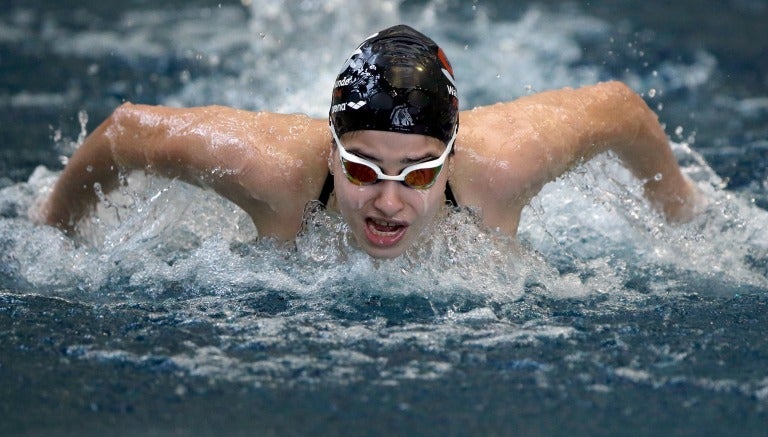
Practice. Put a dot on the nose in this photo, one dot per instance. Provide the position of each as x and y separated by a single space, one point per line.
388 199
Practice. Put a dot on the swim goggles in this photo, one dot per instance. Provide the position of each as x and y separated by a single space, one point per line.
363 172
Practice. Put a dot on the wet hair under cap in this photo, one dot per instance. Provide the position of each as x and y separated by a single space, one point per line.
397 80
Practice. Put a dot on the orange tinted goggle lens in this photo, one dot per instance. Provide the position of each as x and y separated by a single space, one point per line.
360 174
422 178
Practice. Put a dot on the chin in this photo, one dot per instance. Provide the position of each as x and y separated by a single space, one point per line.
382 252
388 255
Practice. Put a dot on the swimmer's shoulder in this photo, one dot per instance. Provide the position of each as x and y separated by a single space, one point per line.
279 163
494 147
280 160
506 151
487 170
270 164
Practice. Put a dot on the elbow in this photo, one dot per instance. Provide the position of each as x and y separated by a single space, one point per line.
126 111
617 87
126 132
634 119
631 100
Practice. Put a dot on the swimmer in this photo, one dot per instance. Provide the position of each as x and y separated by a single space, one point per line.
393 150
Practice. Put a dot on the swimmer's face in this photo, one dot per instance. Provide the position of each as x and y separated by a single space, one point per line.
387 217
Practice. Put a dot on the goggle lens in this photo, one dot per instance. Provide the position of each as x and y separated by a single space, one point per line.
422 178
360 174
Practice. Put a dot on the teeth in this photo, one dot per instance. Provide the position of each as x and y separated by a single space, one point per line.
384 223
383 227
383 232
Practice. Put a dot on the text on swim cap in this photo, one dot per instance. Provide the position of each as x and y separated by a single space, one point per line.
343 82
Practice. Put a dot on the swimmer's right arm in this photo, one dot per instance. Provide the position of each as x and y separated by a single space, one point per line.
268 164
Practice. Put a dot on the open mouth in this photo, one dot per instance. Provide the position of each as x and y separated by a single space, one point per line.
384 233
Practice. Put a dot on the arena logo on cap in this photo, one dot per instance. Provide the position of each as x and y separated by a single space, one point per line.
356 105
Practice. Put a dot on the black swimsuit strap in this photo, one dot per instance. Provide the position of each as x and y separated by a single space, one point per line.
325 194
449 195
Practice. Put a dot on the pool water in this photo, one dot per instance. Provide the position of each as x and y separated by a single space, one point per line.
167 315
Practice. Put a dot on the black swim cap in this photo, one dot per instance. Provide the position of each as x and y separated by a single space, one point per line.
397 80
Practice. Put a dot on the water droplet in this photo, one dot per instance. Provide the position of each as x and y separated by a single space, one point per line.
82 116
99 192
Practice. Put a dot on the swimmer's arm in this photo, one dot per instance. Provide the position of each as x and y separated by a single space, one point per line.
623 123
537 138
268 164
74 191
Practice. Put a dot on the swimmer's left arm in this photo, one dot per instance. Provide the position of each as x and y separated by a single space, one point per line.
639 141
535 139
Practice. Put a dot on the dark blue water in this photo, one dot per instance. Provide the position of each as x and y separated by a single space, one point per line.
167 316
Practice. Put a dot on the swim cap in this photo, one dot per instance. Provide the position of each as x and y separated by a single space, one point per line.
397 80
